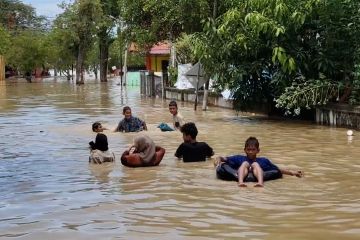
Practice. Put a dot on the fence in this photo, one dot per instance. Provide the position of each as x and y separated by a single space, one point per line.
341 115
151 85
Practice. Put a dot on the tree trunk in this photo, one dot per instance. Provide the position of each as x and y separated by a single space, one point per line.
104 55
125 64
206 89
68 75
95 72
206 94
79 64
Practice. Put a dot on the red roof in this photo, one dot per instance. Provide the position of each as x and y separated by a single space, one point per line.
160 49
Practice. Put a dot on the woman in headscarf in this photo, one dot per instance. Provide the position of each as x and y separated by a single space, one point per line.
143 153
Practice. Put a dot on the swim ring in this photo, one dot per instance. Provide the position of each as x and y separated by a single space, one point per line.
226 172
134 160
99 157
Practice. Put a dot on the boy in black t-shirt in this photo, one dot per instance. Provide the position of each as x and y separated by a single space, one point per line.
99 149
191 150
101 142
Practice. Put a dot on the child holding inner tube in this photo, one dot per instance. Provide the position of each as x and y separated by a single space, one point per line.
256 165
143 153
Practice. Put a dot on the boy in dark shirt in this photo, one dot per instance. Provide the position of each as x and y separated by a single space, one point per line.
191 150
101 142
99 149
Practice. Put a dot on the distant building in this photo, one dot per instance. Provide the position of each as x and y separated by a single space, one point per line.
157 59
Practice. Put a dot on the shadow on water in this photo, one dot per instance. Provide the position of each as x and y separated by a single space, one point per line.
48 189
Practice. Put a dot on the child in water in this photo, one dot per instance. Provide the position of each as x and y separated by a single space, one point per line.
130 123
178 119
191 150
99 149
256 165
143 153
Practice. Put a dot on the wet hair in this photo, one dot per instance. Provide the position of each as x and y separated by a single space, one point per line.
189 129
126 108
172 104
252 141
95 126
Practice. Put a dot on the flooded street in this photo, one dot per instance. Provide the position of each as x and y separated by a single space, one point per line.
48 189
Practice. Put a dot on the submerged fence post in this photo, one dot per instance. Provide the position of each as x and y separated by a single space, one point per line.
143 82
150 84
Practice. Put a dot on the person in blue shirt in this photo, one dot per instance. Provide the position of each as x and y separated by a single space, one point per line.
257 165
130 123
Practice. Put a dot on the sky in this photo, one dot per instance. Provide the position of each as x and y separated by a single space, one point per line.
47 8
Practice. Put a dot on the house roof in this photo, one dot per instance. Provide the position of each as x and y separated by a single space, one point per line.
160 49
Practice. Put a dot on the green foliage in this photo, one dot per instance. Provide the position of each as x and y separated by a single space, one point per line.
27 51
301 43
185 49
151 21
22 36
173 75
308 94
15 15
355 90
4 40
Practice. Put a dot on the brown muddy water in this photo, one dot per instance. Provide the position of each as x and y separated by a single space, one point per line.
48 190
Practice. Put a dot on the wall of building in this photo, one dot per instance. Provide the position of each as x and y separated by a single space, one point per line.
188 95
153 62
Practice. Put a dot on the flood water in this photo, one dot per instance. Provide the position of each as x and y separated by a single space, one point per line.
48 189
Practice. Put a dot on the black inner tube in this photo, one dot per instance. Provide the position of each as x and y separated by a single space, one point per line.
227 173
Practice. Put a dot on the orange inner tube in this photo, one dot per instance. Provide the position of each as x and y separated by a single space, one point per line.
134 160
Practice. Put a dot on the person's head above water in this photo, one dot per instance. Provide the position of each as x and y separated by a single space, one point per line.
173 108
189 131
251 147
127 112
97 127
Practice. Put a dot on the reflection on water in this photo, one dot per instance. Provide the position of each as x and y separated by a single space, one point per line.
49 190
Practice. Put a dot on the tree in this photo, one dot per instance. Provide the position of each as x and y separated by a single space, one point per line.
81 18
63 46
27 51
151 21
110 12
16 15
4 40
260 49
